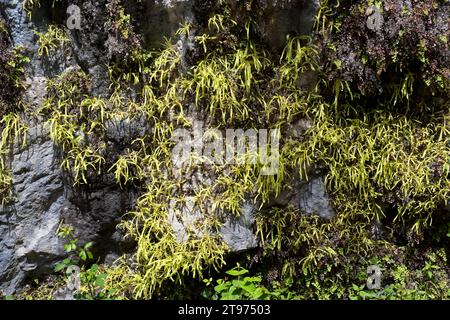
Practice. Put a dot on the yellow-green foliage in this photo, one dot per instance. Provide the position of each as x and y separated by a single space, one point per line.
221 87
324 21
5 183
368 158
3 29
378 165
372 159
13 128
73 118
30 5
55 37
41 290
159 256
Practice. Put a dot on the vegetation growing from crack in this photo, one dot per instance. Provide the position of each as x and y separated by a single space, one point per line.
12 127
54 38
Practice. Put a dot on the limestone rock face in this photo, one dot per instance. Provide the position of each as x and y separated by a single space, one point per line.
283 17
162 18
236 232
315 200
29 246
35 217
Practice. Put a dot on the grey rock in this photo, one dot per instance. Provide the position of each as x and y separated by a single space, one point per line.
37 89
22 33
124 130
88 45
31 239
238 232
279 18
163 18
20 30
65 294
315 200
111 258
29 246
283 17
184 220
